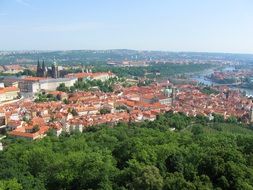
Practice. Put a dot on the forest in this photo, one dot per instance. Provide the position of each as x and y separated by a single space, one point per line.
173 152
153 70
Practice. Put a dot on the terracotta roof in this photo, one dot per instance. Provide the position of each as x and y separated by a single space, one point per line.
33 78
22 134
84 75
8 89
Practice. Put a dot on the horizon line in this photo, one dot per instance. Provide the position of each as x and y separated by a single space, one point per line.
129 49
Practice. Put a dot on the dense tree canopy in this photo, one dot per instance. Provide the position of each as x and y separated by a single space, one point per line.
87 85
43 97
146 155
164 70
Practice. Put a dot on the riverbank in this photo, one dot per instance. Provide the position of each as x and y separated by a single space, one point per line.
201 78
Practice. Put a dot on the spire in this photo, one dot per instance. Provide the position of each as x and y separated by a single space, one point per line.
38 73
38 65
83 68
55 71
43 65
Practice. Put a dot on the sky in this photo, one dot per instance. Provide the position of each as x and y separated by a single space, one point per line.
168 25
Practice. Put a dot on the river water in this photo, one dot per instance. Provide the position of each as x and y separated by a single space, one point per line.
200 77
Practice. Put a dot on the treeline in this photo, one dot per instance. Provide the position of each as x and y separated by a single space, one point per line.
154 70
224 80
199 154
209 90
43 97
87 85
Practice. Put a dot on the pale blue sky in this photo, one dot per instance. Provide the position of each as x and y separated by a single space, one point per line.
173 25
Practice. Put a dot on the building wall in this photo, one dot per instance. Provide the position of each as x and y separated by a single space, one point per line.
102 77
8 96
11 84
28 88
52 84
166 101
2 119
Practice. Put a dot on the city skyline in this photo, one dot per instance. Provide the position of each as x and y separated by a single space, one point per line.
196 26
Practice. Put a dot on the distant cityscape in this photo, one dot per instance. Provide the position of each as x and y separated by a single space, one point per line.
124 57
126 95
43 96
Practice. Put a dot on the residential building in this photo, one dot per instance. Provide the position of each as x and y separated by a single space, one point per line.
103 76
31 85
9 93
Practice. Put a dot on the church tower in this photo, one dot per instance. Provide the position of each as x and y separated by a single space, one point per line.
55 72
251 115
39 69
174 94
44 69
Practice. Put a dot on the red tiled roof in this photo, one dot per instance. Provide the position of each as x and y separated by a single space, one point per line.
9 89
33 78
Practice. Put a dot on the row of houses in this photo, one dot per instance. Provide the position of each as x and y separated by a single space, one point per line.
82 110
9 93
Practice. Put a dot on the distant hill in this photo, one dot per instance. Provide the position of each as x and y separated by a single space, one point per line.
84 56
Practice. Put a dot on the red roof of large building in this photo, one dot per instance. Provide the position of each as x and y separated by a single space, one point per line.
9 89
85 75
33 78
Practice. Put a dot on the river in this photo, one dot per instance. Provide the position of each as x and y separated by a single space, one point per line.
200 77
